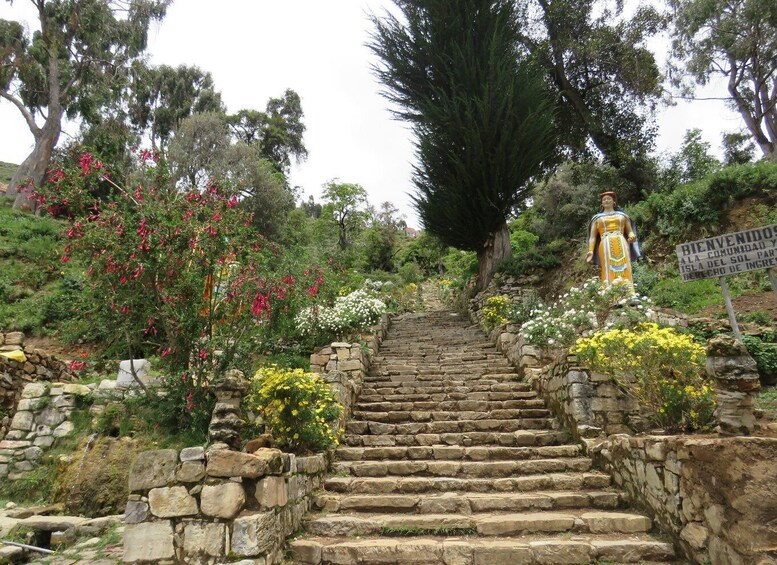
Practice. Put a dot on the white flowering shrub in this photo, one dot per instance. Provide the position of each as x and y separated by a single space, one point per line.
352 313
583 310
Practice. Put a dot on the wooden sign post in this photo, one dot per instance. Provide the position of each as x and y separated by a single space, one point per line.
730 254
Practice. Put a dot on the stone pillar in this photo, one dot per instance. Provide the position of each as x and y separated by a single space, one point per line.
227 422
736 378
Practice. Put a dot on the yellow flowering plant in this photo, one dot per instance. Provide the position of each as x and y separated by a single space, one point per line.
299 409
660 367
494 312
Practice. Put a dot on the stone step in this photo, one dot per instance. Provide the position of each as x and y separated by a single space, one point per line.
537 549
522 438
403 485
436 387
374 427
443 396
452 405
453 453
398 416
461 469
466 502
437 380
485 524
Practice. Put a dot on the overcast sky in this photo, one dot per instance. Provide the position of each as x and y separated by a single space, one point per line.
256 49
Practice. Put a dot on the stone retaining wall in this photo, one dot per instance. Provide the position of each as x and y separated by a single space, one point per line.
211 507
717 496
586 402
14 376
344 365
43 415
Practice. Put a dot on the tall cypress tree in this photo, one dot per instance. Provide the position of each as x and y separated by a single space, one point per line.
480 112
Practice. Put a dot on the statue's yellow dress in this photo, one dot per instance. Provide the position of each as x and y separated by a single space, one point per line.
614 255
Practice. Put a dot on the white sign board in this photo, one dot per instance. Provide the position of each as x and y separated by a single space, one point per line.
728 254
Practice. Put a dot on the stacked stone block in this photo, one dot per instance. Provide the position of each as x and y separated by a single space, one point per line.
344 365
195 506
715 495
43 416
14 376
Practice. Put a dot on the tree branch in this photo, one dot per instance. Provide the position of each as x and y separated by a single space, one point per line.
28 117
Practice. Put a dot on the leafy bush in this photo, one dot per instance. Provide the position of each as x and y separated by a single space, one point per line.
690 297
765 355
299 409
697 208
495 312
411 273
350 314
662 368
582 309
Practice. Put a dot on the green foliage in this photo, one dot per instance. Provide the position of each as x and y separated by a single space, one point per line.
6 171
735 40
605 76
767 401
495 312
299 409
475 102
698 207
411 273
581 309
55 74
162 97
662 368
765 355
344 208
689 297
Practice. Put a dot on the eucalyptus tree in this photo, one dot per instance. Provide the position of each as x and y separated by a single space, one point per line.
278 131
74 63
202 150
605 78
160 98
344 206
482 117
737 40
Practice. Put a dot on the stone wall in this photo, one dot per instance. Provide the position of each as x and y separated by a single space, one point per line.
717 496
344 365
15 375
43 415
209 507
586 402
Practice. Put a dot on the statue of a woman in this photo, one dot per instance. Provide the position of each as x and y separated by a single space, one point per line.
612 242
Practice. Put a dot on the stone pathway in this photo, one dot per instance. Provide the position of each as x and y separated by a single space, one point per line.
451 459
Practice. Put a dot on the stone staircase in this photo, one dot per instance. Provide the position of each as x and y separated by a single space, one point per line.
451 459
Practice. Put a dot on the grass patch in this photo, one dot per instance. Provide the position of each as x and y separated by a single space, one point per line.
7 171
767 401
408 531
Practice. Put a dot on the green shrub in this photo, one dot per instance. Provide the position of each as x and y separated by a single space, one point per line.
495 312
688 297
765 355
299 409
411 273
660 367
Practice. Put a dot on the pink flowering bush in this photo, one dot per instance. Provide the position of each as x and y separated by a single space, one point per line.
178 274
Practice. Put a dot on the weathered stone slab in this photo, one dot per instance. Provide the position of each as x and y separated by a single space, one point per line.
135 512
222 501
170 502
271 492
255 533
227 463
153 469
204 538
150 541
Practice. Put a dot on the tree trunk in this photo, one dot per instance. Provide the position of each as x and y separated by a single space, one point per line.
495 249
32 172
